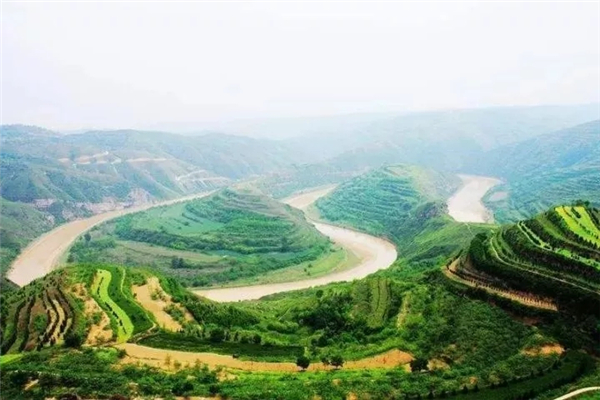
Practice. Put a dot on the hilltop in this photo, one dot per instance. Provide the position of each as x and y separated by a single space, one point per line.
230 235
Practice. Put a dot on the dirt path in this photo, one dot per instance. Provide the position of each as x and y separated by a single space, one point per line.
465 205
578 392
164 359
144 295
44 254
372 253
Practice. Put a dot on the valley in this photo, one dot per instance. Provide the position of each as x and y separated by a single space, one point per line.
392 282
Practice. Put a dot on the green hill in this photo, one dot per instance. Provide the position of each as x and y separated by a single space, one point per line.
550 169
378 201
95 166
232 234
552 257
405 204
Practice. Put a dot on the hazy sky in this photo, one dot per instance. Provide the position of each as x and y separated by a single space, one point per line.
74 65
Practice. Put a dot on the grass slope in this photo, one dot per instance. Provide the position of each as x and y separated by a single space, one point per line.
480 346
99 288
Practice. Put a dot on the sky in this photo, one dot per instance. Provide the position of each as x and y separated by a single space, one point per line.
69 66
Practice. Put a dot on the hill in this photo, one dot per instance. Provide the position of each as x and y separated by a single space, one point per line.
473 349
230 235
551 169
120 166
405 204
552 258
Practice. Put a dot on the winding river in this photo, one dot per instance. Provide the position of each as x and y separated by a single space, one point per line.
373 254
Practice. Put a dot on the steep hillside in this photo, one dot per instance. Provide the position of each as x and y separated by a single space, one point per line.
378 201
553 258
233 234
555 168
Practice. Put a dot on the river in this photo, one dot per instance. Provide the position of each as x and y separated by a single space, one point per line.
465 205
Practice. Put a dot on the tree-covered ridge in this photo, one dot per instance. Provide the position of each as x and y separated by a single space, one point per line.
555 255
232 234
555 168
378 202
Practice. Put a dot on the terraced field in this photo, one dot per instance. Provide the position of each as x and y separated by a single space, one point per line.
554 257
100 287
41 316
378 202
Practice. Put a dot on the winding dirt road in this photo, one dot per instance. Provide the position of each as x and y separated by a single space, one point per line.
44 254
373 254
465 205
578 392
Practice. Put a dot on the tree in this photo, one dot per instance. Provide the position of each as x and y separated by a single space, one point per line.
303 362
257 339
325 361
337 361
182 388
87 237
73 339
217 335
418 364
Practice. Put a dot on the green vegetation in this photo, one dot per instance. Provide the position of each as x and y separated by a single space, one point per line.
555 255
405 205
480 344
40 315
379 202
19 224
556 168
100 286
229 236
